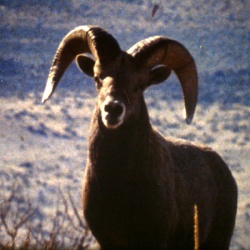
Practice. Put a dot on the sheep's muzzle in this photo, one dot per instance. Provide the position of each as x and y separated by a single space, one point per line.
112 112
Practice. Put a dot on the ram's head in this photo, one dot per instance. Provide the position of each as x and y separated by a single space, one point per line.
121 77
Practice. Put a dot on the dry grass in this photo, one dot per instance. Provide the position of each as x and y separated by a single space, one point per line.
21 228
196 228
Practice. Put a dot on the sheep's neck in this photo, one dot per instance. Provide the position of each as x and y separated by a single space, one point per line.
121 151
124 182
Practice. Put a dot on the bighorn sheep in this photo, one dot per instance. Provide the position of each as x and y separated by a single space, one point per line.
139 188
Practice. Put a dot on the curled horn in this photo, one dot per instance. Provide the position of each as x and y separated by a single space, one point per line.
83 39
161 50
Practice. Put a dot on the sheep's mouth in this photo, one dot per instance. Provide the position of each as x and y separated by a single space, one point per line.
112 122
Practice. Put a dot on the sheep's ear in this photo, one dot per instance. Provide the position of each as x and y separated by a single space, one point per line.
158 74
85 64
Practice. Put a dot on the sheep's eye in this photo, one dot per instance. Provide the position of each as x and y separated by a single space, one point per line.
98 82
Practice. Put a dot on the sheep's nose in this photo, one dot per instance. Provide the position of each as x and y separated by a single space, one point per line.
113 113
113 108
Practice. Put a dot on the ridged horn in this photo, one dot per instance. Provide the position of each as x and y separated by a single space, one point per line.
83 39
161 50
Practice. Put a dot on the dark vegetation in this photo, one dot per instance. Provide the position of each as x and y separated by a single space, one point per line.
21 227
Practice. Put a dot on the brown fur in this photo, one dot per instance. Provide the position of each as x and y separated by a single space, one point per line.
140 190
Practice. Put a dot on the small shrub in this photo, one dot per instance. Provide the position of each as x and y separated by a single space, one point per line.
22 228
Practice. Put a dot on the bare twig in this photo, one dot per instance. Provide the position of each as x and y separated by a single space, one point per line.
67 230
76 212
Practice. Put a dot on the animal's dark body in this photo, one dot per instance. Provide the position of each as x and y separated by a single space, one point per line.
139 188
